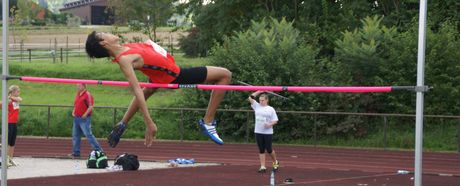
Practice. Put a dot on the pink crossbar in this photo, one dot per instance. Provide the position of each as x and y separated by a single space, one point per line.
354 89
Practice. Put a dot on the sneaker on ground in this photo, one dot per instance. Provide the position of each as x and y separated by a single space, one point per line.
13 163
262 169
8 163
73 155
276 165
210 131
115 135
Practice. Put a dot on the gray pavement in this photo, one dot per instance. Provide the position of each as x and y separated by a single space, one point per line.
43 167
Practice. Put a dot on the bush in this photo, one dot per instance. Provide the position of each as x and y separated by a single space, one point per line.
269 53
190 44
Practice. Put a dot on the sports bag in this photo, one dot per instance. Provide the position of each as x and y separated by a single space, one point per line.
97 160
127 161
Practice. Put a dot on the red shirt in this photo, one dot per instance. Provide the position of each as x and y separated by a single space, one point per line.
13 112
159 65
82 102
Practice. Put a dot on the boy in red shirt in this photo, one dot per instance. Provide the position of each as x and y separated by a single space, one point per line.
13 117
160 67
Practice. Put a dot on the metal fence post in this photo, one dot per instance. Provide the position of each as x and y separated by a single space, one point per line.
248 114
67 50
55 50
315 137
181 127
458 136
385 125
114 115
21 47
49 121
30 54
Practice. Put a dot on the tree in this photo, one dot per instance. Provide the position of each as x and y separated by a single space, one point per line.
320 22
268 53
371 43
441 69
145 15
361 57
361 52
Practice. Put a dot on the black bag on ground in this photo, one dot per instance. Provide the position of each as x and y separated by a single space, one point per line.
97 160
127 161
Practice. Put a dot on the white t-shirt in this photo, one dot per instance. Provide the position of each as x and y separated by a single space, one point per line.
264 114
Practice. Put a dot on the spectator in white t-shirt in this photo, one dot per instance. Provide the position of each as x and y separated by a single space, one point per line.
265 119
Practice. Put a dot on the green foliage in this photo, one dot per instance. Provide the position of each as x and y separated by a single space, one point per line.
190 44
320 22
361 53
440 70
376 55
360 60
269 53
143 15
222 18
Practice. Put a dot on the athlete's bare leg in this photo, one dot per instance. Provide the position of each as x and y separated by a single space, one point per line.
217 76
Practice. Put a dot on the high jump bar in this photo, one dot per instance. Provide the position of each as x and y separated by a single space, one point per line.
349 89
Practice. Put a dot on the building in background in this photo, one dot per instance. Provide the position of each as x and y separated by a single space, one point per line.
91 12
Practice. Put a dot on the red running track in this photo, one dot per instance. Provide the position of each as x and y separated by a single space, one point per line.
305 165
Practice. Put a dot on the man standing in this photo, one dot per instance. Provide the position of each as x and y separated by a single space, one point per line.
83 107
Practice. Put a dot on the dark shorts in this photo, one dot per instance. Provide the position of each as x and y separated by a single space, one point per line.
194 75
12 133
264 142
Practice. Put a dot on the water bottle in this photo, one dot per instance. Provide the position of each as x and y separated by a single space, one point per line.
403 172
272 179
173 163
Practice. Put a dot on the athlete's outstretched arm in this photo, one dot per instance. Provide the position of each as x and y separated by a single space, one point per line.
127 69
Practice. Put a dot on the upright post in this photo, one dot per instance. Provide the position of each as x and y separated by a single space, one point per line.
458 137
5 15
420 93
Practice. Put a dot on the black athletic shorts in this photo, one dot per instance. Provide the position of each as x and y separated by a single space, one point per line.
194 75
264 142
12 133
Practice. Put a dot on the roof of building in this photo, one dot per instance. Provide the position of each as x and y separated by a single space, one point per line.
76 4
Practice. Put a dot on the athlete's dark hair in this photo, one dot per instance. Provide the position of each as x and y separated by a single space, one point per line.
93 48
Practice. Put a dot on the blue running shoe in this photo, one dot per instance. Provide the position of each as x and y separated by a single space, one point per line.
115 135
210 131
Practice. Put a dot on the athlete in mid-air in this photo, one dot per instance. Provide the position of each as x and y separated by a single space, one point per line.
160 67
